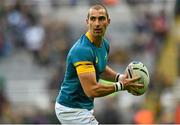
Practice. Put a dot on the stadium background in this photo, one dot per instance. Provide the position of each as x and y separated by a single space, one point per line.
35 36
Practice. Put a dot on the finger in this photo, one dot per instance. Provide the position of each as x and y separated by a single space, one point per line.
133 92
125 75
135 79
136 85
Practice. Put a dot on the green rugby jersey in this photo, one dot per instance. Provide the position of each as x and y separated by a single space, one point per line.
88 58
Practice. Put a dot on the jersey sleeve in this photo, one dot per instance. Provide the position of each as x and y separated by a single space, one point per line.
82 59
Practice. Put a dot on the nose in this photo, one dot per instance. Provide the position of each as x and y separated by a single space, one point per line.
97 23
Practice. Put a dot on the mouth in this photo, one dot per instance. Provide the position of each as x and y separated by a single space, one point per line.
98 30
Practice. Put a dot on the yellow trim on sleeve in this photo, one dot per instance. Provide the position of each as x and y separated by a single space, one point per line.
83 63
84 67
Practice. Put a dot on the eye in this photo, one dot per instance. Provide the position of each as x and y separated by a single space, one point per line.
92 18
102 18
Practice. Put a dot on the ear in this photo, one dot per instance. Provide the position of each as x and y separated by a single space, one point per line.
86 20
109 20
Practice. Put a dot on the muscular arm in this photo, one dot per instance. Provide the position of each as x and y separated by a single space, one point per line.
92 88
109 74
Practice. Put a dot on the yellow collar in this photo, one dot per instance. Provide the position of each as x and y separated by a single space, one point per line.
89 37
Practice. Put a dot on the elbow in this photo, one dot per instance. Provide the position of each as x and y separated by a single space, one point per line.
91 95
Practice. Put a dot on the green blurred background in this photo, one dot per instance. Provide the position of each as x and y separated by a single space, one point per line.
35 36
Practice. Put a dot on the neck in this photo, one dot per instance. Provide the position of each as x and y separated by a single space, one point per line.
97 40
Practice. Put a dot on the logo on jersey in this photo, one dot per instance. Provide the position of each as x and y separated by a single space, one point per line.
96 59
105 58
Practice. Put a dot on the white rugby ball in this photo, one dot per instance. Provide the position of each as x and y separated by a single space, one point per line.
137 68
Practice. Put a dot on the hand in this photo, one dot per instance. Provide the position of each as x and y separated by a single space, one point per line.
124 83
122 76
131 84
133 92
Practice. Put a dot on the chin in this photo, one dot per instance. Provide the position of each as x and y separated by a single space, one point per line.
98 34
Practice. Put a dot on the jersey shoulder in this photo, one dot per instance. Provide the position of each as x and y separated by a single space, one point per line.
81 50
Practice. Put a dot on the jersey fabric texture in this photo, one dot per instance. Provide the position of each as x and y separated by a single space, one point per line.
83 57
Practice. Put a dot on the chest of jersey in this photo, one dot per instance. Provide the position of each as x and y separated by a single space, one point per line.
100 59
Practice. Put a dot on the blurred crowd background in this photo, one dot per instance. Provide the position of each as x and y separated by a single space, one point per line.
35 36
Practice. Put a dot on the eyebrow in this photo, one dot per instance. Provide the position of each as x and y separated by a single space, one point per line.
102 16
97 17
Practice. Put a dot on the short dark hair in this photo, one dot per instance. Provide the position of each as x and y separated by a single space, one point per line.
98 7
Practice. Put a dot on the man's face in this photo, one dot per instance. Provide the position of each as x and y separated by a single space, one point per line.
97 22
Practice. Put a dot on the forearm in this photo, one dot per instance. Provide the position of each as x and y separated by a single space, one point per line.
94 89
101 90
109 74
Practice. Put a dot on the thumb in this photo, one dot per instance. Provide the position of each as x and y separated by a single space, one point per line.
125 75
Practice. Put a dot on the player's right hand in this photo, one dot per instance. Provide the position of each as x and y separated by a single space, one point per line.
133 92
131 84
